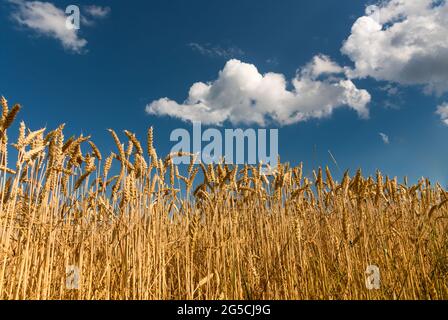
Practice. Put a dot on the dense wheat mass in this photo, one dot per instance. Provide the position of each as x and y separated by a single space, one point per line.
151 233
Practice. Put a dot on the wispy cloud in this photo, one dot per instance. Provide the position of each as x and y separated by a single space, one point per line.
390 90
272 61
391 96
97 11
46 19
216 50
384 137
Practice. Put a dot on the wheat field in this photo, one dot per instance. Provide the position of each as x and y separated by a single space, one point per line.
213 232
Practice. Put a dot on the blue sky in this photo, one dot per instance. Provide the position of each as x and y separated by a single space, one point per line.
126 57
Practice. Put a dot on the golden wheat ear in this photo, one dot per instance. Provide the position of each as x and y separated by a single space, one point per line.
243 233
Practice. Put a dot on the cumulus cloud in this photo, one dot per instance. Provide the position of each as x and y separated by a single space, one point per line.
402 41
385 138
322 65
46 19
241 94
442 111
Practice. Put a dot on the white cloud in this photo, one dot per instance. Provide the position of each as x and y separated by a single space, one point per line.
242 95
97 11
385 138
46 19
322 65
402 41
442 111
